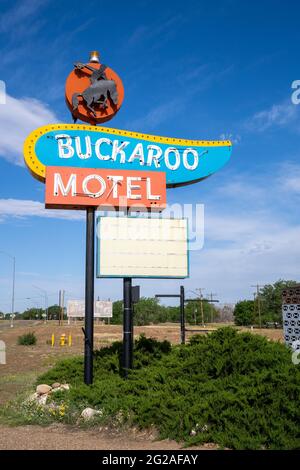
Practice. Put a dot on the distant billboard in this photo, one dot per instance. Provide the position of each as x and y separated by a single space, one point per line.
76 309
142 247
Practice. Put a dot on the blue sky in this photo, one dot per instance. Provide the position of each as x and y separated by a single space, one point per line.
198 69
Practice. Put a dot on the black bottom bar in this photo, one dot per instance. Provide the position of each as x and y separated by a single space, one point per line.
127 361
138 459
89 297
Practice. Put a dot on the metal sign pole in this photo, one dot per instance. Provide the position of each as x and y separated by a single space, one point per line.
89 296
182 315
127 326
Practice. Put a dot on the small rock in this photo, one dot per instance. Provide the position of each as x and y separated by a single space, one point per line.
56 385
90 413
65 386
33 397
210 445
42 399
43 388
61 388
120 417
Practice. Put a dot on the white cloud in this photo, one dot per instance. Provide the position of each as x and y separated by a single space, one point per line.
169 109
279 115
20 12
158 114
19 208
293 183
241 189
290 178
18 117
226 227
164 29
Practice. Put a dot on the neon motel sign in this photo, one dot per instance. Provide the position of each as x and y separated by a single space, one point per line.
77 152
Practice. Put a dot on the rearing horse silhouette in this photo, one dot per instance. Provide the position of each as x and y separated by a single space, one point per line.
98 92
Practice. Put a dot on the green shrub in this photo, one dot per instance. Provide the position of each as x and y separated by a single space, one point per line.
28 339
244 313
235 389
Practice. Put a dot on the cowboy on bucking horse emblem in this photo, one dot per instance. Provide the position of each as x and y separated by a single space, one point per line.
94 92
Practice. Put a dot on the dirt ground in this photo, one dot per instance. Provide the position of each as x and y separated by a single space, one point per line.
25 363
60 437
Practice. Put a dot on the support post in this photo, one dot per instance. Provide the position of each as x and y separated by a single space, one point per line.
62 307
182 315
13 294
59 303
89 296
127 361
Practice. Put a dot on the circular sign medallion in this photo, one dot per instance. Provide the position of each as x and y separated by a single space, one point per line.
94 93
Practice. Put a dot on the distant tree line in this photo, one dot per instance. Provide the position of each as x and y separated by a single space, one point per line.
268 302
36 314
147 311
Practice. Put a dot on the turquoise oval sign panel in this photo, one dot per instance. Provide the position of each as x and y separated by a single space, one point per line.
75 145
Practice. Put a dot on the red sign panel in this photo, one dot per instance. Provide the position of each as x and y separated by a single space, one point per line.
72 188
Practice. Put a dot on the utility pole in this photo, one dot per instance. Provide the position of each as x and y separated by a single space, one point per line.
211 308
62 306
201 299
59 303
254 307
258 302
200 289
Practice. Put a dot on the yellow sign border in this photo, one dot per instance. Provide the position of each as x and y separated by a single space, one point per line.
38 169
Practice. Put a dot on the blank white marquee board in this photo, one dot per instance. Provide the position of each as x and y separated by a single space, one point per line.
140 247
